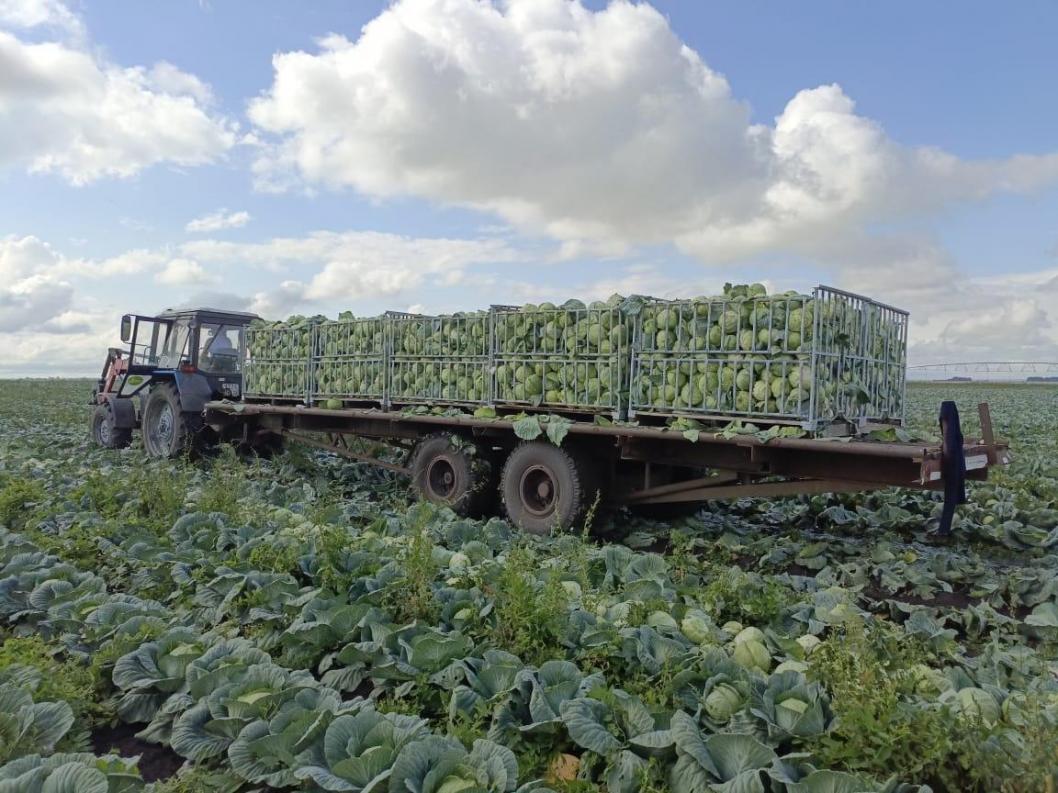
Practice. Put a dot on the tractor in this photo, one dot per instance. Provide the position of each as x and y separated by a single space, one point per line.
172 366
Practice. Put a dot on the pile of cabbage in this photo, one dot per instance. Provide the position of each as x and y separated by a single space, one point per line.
278 354
745 352
442 358
784 356
575 354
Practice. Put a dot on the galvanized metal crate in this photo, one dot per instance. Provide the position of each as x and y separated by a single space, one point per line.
274 367
796 359
572 357
349 359
438 359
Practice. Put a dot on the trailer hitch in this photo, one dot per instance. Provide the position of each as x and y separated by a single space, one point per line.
952 464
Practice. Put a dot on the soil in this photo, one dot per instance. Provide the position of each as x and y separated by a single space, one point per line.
156 762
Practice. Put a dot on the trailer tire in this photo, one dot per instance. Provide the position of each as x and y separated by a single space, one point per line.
546 487
168 431
458 475
104 430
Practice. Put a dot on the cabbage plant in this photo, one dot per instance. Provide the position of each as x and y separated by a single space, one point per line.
622 730
715 762
154 671
27 726
791 707
256 692
268 751
358 750
70 773
443 765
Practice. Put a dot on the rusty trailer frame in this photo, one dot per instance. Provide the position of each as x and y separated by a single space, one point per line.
737 466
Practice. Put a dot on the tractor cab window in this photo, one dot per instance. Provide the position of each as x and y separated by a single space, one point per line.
148 340
175 349
219 347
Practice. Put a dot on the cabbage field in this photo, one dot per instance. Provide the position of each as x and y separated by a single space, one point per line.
298 624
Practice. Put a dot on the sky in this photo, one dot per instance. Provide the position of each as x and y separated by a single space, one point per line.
439 155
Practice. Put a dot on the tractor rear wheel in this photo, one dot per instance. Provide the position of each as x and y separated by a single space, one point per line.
167 430
455 473
546 487
104 431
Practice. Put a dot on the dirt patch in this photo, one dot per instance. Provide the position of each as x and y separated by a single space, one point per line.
156 762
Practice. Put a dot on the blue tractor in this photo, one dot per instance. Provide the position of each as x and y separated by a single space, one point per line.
171 366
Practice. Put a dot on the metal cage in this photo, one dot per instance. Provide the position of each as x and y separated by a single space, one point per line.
349 360
275 366
796 359
572 358
438 359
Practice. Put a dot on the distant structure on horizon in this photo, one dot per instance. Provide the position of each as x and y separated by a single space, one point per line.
970 371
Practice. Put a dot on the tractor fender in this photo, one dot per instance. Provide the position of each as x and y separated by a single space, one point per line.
194 391
124 411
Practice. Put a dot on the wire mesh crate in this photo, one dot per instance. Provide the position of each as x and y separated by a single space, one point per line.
571 357
277 364
788 358
349 359
438 359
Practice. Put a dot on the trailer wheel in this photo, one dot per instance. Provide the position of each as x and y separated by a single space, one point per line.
455 474
104 431
546 487
167 430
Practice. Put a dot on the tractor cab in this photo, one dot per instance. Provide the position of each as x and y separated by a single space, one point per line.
172 364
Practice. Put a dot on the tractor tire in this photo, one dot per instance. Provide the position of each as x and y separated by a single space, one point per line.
104 432
460 477
167 430
546 487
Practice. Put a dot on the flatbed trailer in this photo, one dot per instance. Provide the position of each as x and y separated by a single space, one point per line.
465 462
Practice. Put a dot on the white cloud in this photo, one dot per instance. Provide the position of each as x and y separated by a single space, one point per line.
131 262
32 302
351 266
67 110
38 283
598 128
221 219
184 272
38 13
31 292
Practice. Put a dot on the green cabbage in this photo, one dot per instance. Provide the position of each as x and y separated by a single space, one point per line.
752 654
698 626
723 702
976 705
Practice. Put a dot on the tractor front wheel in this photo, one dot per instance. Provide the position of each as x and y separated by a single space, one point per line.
104 431
167 430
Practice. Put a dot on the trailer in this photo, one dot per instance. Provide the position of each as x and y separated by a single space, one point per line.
479 465
189 379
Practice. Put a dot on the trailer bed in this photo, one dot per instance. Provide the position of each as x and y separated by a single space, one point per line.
733 465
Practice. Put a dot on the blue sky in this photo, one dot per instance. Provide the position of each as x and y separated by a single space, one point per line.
461 153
